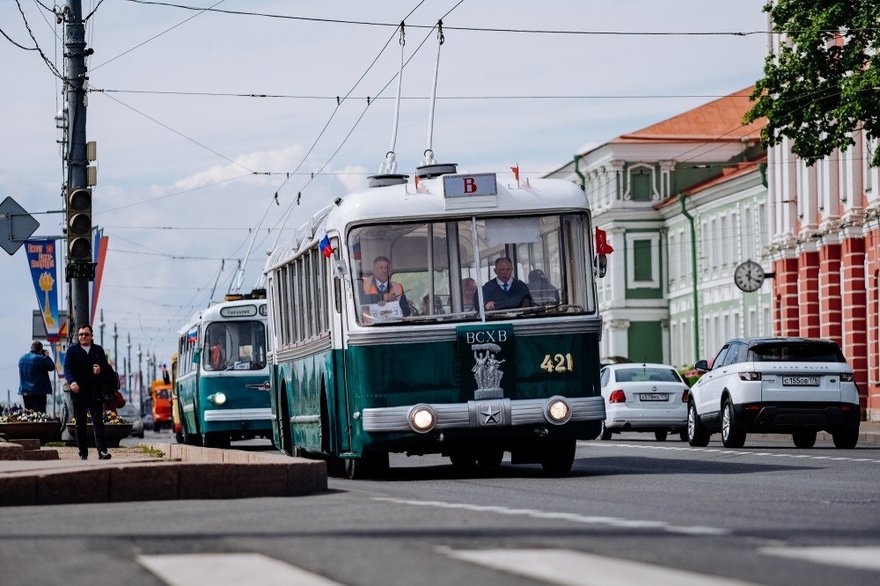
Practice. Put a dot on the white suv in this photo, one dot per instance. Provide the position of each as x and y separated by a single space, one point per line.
775 385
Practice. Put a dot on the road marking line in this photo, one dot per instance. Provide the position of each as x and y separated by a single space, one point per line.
863 558
571 517
228 569
574 568
729 452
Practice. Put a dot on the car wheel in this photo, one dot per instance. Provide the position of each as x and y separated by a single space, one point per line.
660 436
804 439
732 434
696 433
846 438
606 433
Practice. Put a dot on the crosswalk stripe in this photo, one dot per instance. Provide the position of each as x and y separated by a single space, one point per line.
863 558
228 569
574 568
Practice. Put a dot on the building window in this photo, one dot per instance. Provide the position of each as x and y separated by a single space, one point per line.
643 260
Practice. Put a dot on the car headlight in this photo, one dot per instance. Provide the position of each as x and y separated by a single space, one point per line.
422 418
217 398
557 410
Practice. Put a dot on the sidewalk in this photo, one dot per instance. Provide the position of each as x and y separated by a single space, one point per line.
153 471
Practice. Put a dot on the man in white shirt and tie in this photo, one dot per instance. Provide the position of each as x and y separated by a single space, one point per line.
380 289
505 291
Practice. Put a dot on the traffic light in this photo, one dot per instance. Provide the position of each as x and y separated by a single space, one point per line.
79 225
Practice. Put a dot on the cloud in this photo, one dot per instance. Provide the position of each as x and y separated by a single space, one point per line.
353 177
275 161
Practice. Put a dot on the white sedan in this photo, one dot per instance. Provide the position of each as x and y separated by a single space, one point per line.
644 397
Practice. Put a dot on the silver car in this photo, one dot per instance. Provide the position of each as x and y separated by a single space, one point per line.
130 413
644 397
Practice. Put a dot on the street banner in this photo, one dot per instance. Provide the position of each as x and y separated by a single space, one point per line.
100 254
41 260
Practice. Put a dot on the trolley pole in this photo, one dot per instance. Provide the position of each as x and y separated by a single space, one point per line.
80 269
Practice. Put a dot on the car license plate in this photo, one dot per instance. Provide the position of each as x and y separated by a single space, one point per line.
800 381
654 397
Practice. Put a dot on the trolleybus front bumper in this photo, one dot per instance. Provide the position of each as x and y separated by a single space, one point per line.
485 413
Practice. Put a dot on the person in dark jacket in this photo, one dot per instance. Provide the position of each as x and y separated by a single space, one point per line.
33 375
83 364
505 291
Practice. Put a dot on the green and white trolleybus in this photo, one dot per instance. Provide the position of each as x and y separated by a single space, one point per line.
429 365
222 378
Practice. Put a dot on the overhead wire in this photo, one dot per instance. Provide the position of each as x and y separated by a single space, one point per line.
156 36
471 28
36 46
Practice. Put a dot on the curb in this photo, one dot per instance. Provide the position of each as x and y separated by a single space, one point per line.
187 472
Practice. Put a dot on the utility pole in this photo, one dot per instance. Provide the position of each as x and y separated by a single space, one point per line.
80 269
115 348
101 329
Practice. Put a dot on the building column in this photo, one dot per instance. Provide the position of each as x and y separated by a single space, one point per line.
829 292
785 297
619 337
855 338
808 291
872 282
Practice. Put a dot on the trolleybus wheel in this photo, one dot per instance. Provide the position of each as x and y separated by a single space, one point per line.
369 465
463 461
489 459
216 440
558 456
284 425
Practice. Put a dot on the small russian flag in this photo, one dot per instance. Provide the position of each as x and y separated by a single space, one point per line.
326 248
192 335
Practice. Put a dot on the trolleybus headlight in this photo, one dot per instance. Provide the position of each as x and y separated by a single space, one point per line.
422 418
217 398
557 411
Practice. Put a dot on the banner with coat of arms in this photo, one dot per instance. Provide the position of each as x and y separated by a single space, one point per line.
41 260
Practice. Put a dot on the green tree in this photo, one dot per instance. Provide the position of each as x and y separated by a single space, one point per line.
823 82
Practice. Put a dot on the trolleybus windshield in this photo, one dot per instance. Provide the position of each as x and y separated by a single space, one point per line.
433 271
235 345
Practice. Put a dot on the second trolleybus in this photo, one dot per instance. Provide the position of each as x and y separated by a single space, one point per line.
222 376
430 365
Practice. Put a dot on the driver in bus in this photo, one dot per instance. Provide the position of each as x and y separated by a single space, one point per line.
380 289
505 291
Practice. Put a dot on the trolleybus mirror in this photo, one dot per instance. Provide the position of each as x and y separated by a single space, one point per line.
601 266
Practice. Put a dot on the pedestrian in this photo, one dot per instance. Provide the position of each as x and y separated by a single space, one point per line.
33 375
83 364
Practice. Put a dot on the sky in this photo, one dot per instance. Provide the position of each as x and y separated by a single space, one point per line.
189 161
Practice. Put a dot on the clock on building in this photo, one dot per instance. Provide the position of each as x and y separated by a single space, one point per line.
749 276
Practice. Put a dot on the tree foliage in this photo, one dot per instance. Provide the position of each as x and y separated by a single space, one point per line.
823 82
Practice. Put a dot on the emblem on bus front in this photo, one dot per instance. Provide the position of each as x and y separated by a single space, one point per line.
487 371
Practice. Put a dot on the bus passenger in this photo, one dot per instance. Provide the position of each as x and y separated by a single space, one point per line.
543 292
505 291
380 289
469 300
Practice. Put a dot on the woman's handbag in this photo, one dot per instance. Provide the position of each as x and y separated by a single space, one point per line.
117 400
